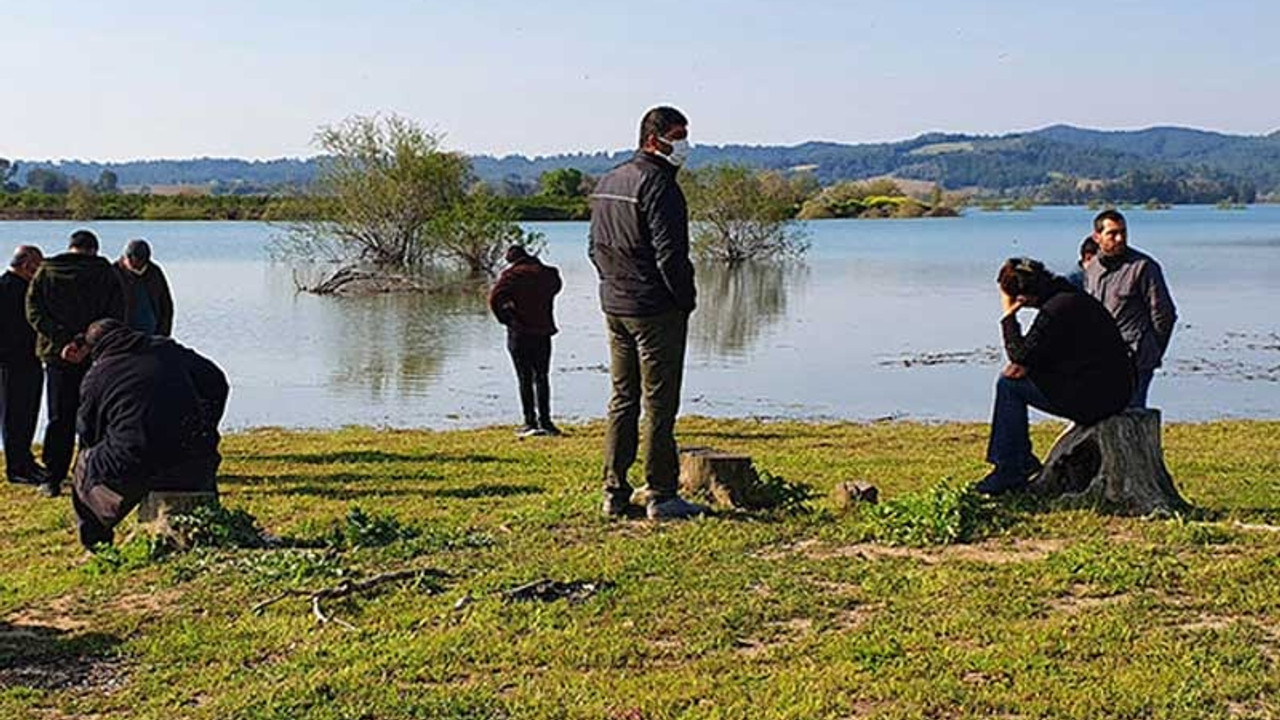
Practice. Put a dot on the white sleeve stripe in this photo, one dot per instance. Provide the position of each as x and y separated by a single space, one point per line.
607 196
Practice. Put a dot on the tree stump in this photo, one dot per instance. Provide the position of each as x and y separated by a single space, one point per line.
158 508
725 478
1116 464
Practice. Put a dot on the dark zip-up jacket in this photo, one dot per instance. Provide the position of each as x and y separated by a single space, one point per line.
1074 353
148 404
523 298
17 339
640 240
156 286
69 292
1132 287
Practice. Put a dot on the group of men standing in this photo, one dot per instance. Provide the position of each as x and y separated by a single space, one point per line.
96 333
1090 353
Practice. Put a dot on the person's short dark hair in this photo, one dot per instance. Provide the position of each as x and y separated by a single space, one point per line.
138 250
1024 276
1088 247
83 240
659 122
516 252
1111 214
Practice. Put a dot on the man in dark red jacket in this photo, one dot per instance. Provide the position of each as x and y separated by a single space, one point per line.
523 299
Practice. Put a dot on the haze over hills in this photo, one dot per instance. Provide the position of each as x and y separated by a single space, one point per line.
1015 162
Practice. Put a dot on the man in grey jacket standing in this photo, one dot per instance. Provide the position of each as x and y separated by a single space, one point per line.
640 248
1130 284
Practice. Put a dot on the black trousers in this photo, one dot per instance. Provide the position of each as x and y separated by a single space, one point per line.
20 388
62 400
531 355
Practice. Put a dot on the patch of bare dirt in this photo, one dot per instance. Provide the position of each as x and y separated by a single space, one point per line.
989 552
1077 604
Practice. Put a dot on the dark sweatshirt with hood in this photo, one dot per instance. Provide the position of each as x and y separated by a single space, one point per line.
148 405
69 292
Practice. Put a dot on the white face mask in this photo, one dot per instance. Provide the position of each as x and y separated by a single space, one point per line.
679 151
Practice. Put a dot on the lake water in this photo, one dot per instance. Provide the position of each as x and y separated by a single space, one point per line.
888 318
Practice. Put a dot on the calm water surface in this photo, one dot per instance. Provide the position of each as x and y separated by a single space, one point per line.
894 318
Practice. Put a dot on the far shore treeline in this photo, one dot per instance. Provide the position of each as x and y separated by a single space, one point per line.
933 174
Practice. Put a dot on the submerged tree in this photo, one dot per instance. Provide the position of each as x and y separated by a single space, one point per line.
388 203
739 214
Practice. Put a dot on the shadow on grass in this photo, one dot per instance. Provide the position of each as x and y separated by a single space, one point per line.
746 435
45 658
373 456
335 478
348 493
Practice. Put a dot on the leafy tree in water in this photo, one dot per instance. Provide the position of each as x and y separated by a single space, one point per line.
389 199
740 215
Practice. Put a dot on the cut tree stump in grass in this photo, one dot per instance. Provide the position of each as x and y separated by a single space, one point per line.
727 479
157 509
1116 464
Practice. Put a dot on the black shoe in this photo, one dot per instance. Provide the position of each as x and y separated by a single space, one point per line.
549 428
30 475
49 489
999 483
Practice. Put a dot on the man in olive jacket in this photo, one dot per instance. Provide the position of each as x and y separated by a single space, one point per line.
148 305
68 292
148 420
640 248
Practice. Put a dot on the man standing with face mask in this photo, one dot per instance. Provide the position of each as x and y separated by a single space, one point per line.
148 305
640 248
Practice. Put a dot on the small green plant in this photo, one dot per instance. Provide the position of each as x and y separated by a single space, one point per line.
361 529
217 526
774 492
138 552
941 515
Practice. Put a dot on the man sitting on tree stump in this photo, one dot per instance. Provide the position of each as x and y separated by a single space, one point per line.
1072 363
148 420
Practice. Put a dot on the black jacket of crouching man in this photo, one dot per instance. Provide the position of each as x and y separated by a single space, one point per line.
148 420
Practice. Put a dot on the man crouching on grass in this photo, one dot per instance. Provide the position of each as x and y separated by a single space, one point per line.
148 420
1072 363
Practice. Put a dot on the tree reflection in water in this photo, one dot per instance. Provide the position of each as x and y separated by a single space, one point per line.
737 303
395 344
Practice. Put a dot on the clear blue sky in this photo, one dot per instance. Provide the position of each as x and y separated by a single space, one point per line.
254 78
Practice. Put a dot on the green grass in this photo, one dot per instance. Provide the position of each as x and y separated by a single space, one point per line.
936 603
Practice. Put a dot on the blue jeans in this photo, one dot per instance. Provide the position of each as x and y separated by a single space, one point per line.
1009 448
1140 388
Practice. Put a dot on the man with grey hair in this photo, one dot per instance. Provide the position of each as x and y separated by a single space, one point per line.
21 376
148 305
